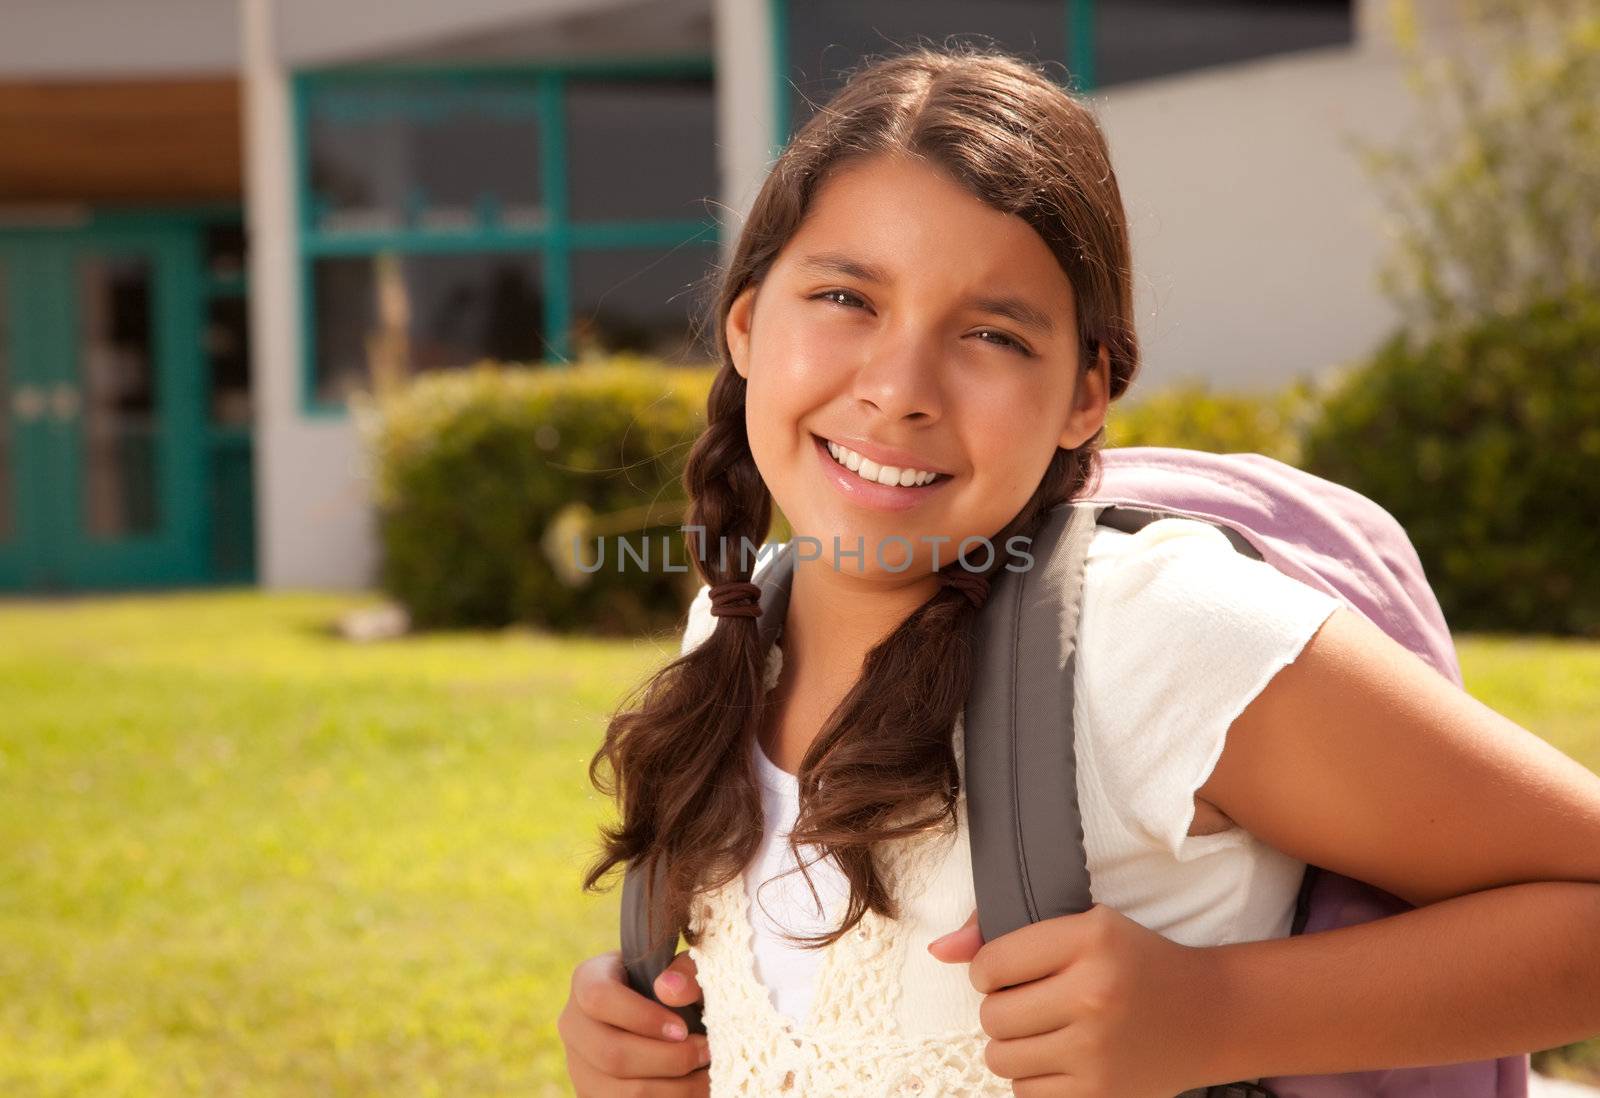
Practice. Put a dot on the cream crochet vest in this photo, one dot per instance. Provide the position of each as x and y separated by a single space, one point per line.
886 1019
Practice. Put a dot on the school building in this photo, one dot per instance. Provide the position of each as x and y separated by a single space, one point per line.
213 213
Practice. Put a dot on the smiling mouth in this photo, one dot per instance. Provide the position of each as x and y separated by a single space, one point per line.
872 472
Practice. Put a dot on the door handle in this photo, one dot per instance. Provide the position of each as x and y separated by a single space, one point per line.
28 402
66 401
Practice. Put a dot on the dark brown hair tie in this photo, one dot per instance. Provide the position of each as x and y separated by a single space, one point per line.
736 599
971 584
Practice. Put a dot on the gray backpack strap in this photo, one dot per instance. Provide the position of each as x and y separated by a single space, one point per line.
1028 861
640 961
1024 827
1130 520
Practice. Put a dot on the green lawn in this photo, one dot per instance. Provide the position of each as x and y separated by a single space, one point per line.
240 856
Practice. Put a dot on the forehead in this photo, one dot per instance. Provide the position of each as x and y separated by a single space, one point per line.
909 221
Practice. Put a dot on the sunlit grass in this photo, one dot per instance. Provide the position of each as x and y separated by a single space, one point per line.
241 856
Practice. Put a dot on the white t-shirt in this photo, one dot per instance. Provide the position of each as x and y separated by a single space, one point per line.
1178 632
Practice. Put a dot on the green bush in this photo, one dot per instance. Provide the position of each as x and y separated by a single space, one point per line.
1192 417
1485 445
479 473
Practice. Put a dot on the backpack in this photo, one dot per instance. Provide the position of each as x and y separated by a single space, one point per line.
1024 829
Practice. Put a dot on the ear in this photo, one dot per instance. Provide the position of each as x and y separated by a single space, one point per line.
737 329
1091 396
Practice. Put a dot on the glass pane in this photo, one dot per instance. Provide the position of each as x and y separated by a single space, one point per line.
8 459
829 37
117 391
641 149
400 315
434 151
224 245
228 356
651 301
1140 39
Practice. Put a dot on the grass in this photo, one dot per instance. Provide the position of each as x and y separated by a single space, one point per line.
242 857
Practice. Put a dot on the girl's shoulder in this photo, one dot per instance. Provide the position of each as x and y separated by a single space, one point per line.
1186 571
1177 633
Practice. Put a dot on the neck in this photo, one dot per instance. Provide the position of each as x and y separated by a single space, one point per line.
835 617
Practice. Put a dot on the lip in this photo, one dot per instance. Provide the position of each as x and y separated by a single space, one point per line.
878 497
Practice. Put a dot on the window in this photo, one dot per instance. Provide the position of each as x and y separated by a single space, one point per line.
646 301
409 313
1095 43
826 38
387 153
529 214
640 148
1141 39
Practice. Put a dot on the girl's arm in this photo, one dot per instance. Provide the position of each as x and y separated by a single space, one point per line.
1490 974
1360 758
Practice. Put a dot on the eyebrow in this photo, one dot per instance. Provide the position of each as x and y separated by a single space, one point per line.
1013 308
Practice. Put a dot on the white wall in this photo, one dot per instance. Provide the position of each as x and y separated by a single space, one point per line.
1256 235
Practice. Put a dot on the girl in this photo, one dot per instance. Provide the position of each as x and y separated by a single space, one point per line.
928 312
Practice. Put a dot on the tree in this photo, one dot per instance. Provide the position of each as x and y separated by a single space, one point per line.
1495 204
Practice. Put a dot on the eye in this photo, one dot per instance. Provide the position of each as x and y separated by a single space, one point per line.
830 294
1005 340
1013 344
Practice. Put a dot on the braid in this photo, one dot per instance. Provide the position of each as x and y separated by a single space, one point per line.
693 813
730 501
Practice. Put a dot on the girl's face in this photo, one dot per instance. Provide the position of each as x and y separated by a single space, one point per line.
927 332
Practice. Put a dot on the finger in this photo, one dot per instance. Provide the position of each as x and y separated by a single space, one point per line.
959 946
1043 1086
623 1055
587 1082
1024 1010
1032 951
1022 1057
679 984
600 991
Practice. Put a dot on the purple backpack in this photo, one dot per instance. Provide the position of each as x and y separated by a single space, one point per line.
1340 542
1028 861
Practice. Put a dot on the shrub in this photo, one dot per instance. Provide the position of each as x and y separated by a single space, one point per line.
1192 417
1485 445
473 468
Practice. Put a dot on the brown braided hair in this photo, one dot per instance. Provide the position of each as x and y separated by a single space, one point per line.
678 761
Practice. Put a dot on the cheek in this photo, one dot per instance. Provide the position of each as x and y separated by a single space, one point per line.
1012 436
804 364
777 405
791 378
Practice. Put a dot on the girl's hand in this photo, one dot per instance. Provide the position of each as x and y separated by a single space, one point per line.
619 1042
1092 1005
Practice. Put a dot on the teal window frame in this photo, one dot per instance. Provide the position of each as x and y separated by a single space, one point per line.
555 241
1079 15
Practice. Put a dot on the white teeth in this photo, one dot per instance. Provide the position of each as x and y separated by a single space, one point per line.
868 469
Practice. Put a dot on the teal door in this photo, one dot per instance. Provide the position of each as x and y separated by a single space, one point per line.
101 436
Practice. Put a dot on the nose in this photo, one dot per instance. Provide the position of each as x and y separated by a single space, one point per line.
899 380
